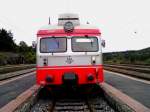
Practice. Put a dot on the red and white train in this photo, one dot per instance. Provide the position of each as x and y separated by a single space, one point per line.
69 53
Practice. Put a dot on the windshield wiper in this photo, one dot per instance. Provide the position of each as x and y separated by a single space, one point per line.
56 41
90 39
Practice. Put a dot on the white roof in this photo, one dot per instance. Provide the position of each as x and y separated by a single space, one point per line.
68 17
63 18
53 27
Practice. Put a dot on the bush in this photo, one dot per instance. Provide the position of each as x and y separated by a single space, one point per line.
129 57
3 59
30 57
148 61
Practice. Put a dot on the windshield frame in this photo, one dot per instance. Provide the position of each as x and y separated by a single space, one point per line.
87 38
53 51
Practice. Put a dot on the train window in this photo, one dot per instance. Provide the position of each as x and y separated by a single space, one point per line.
84 44
53 44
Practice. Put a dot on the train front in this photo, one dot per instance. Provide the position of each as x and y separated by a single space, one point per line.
69 53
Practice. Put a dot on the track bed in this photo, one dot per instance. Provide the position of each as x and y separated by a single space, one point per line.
71 101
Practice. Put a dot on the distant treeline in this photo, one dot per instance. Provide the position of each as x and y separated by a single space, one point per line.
128 57
11 53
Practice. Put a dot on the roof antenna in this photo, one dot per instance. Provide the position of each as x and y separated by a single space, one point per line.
49 21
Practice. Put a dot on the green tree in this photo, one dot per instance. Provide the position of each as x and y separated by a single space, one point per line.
23 47
6 41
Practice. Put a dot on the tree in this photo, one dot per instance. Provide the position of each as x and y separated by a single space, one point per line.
23 47
6 41
12 53
27 53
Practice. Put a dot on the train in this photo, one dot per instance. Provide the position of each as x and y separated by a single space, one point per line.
69 53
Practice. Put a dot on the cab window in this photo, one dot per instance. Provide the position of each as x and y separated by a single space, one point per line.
53 44
84 44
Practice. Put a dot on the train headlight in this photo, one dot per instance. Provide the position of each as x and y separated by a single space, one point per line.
90 77
68 27
93 60
45 61
49 79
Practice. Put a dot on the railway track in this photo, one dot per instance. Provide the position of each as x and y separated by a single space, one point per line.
105 99
74 101
13 68
6 75
142 69
132 65
138 71
73 105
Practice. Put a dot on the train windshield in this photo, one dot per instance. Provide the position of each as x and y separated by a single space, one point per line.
53 44
84 44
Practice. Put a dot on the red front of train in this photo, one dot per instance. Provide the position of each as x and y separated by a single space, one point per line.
69 53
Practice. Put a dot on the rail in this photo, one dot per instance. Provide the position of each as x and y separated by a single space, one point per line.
108 99
6 73
13 68
133 65
132 70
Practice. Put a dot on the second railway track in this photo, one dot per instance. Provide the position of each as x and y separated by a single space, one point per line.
135 71
131 67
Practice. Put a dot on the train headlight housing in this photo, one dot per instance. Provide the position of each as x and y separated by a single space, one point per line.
90 77
93 60
68 27
49 78
45 61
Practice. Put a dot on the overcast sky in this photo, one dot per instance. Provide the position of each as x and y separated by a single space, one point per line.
125 24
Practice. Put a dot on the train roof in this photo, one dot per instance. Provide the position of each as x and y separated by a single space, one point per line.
68 24
52 27
79 29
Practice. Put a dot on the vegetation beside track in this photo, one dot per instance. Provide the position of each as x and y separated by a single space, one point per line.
11 53
140 57
134 63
